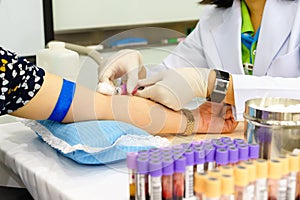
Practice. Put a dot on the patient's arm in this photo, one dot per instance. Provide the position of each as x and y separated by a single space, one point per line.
143 113
90 105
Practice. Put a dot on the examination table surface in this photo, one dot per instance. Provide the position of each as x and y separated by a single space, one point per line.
47 175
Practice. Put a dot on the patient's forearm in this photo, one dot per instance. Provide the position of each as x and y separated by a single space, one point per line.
152 117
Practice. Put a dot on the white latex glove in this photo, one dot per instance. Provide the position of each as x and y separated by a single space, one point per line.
126 62
174 88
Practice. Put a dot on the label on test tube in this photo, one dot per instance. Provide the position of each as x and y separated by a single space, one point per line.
241 180
155 171
261 192
275 174
252 177
142 178
285 172
292 178
189 173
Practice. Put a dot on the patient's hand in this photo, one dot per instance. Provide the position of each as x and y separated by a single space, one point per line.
216 118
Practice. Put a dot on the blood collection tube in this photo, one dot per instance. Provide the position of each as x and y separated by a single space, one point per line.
243 152
199 160
142 178
274 176
264 136
212 189
227 187
155 172
131 165
292 178
189 173
209 158
167 178
226 139
238 141
241 181
186 145
143 153
285 174
200 185
216 173
220 144
233 156
178 177
221 157
261 185
226 170
253 151
250 165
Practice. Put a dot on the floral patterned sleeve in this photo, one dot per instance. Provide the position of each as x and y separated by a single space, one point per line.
20 80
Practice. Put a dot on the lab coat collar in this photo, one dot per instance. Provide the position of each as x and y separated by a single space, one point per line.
225 36
273 33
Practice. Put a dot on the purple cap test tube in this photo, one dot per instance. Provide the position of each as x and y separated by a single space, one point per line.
209 157
179 164
220 144
238 141
221 156
210 153
199 160
225 139
253 151
243 152
189 155
155 168
167 166
131 160
142 165
233 155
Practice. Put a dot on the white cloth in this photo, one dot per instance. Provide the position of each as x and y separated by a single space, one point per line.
216 43
48 175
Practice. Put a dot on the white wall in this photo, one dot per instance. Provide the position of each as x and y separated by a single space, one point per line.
22 26
83 14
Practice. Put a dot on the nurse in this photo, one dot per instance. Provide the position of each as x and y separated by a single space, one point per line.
247 48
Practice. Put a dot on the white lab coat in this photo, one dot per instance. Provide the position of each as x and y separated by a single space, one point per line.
216 43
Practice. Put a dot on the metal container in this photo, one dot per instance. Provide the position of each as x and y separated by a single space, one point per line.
274 124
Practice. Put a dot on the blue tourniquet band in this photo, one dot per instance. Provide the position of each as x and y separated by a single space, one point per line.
64 101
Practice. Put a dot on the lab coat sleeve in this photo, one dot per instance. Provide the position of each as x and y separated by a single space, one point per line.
188 53
249 87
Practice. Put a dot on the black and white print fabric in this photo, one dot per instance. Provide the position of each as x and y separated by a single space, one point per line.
20 80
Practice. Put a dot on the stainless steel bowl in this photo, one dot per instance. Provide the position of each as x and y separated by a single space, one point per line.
277 131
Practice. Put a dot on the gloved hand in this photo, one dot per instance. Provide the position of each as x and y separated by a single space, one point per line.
175 87
126 62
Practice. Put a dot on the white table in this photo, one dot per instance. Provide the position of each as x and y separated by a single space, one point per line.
48 175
